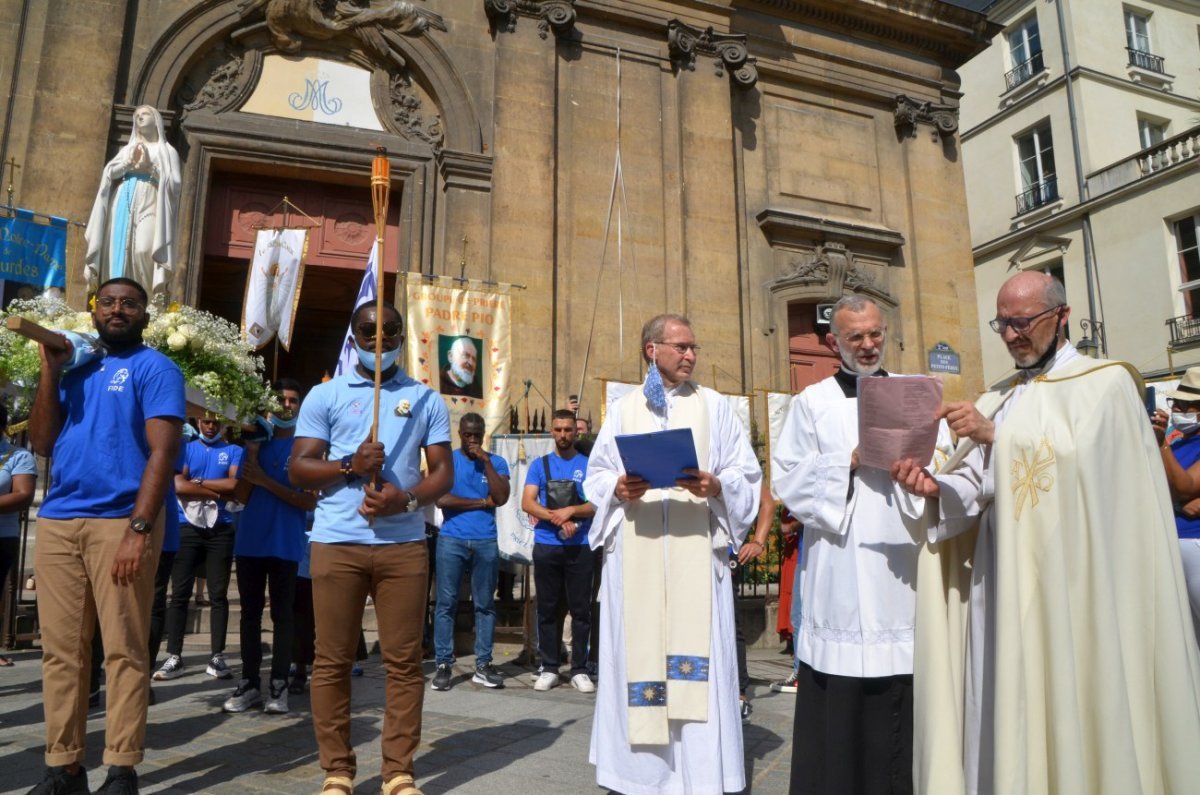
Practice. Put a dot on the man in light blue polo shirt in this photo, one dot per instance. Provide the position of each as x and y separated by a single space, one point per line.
368 539
467 543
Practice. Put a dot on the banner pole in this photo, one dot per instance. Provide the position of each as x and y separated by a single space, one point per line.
380 185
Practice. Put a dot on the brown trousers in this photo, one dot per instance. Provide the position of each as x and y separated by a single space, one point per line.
73 561
396 576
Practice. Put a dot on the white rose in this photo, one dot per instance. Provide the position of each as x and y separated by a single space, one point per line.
177 342
187 330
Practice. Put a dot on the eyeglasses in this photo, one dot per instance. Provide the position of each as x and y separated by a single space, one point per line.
369 330
108 302
874 335
681 347
1019 324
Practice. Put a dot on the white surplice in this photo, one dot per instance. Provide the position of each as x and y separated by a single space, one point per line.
700 757
858 582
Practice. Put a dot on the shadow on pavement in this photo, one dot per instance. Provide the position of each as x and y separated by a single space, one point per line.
458 759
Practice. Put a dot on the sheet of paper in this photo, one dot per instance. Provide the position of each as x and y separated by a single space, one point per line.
659 457
896 419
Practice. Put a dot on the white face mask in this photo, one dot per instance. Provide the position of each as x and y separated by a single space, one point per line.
1185 422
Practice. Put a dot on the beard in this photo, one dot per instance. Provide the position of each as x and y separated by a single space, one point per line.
121 337
853 366
461 375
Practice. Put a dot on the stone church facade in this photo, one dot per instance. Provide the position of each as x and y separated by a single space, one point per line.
774 155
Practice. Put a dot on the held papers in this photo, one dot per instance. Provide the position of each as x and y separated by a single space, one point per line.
896 419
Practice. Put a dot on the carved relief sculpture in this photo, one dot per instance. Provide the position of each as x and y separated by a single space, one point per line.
911 112
406 112
222 86
291 22
685 42
131 231
554 15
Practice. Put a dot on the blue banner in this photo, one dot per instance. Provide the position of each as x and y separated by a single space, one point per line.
33 253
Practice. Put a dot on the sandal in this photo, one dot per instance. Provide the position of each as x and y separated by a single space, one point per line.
5 662
338 784
401 785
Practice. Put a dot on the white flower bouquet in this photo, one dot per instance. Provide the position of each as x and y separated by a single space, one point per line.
210 351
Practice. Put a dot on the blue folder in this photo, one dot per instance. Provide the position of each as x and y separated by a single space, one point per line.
659 457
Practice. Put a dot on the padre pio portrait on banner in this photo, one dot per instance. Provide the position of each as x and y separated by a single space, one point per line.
458 360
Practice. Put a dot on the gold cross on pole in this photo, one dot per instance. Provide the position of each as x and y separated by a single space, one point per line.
12 173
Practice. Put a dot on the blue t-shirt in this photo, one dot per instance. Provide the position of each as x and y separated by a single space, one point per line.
270 527
573 468
338 412
210 462
470 482
17 461
1187 452
102 450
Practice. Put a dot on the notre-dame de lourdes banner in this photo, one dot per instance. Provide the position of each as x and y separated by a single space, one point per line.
458 345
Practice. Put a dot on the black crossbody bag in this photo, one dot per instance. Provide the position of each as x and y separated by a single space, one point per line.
559 493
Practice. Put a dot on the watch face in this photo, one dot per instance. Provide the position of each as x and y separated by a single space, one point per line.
138 525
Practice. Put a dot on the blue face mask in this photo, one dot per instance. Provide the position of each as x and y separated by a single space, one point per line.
280 422
367 358
653 388
204 437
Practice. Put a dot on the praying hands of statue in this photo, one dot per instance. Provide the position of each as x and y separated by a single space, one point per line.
700 483
631 487
966 421
914 478
140 162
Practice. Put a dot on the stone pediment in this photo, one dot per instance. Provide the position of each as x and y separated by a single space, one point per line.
1039 251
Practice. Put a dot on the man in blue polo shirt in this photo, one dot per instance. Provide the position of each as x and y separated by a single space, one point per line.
205 536
269 547
467 544
368 539
112 428
562 559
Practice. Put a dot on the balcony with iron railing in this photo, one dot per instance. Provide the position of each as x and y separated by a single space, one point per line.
1145 60
1038 194
1185 331
1168 154
1023 71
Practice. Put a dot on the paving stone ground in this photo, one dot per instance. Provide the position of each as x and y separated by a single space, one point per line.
474 740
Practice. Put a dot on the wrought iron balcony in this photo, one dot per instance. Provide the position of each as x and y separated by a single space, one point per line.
1023 71
1038 194
1185 331
1145 60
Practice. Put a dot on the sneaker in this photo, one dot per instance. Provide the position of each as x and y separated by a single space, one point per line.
218 668
120 781
277 703
58 781
545 681
441 678
583 683
746 710
245 697
488 676
171 669
787 685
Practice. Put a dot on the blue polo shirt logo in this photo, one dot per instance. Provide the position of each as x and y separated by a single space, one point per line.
223 459
117 384
356 408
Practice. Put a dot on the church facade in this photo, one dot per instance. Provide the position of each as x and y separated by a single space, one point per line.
741 161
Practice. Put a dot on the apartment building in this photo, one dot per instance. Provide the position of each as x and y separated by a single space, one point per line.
1081 152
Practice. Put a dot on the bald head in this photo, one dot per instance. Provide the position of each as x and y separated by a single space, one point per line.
1038 303
1033 285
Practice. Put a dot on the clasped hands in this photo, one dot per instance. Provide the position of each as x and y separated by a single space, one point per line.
699 484
380 497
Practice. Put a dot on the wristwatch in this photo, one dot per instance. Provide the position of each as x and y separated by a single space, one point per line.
139 526
414 504
347 468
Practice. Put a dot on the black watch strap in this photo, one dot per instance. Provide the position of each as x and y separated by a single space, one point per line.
347 468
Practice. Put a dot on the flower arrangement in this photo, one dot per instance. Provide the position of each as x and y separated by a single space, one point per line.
208 349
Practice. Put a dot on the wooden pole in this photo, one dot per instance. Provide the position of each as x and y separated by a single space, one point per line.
380 186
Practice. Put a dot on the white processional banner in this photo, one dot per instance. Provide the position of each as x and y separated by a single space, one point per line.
459 346
514 527
615 390
273 286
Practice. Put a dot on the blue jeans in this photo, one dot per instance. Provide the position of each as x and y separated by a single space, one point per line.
454 557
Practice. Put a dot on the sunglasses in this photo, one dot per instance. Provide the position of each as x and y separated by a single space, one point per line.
369 330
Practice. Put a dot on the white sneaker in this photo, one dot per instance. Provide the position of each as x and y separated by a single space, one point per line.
243 698
218 668
277 703
583 683
546 680
171 669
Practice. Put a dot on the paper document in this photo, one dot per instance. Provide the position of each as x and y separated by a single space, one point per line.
659 457
896 419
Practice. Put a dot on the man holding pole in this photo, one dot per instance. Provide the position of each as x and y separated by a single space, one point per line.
368 538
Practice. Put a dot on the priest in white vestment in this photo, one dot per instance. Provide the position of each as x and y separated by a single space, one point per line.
1055 651
667 717
853 729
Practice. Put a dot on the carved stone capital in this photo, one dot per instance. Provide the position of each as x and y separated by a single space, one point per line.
729 51
910 113
557 16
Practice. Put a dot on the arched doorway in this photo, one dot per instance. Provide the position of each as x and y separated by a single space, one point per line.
809 360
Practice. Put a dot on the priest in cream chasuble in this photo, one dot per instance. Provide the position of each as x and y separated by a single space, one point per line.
667 717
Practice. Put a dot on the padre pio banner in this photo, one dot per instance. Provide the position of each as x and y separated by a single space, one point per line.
273 286
458 345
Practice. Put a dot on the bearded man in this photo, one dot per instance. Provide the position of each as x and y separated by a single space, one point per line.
458 376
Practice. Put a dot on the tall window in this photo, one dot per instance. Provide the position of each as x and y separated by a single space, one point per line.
1024 52
1151 133
1137 31
1189 262
1035 157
